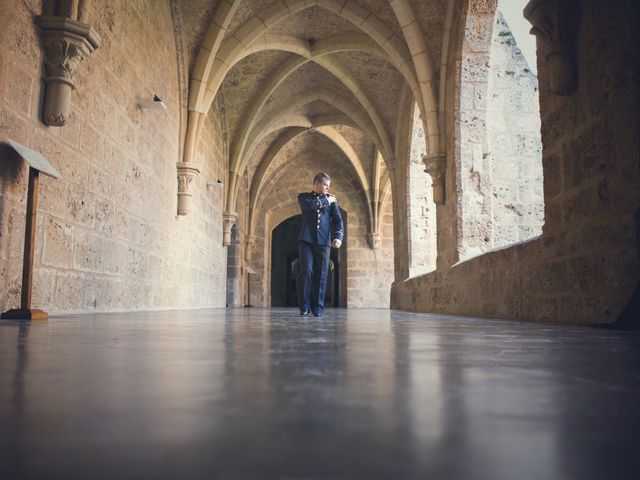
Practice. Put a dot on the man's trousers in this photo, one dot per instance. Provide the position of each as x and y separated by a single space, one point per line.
311 282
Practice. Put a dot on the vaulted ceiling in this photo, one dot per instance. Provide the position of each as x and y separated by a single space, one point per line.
286 70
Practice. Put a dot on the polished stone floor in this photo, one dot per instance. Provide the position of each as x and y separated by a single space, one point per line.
358 394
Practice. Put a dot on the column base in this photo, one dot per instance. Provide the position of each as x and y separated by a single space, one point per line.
24 314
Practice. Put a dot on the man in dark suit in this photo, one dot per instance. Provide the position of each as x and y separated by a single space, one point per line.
320 215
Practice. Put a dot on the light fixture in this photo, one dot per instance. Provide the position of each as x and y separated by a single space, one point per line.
152 103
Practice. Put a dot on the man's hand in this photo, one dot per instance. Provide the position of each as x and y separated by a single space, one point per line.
331 198
336 243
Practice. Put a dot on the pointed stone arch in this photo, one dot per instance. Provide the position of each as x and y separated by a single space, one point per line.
408 55
251 30
206 59
329 132
363 121
385 196
287 43
205 63
271 124
423 67
336 137
238 149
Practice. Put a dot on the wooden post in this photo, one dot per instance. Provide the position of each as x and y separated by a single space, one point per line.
29 238
248 304
25 312
250 272
37 165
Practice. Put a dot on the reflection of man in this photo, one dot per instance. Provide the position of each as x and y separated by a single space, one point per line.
320 214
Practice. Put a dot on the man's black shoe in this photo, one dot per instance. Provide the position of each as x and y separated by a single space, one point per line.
305 313
317 314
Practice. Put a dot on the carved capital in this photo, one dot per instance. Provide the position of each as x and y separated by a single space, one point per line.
186 173
66 43
63 54
435 165
229 219
374 239
556 22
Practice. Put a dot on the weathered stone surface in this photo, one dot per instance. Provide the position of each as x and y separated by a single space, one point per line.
369 272
58 244
94 235
584 267
500 140
422 209
18 91
483 7
107 236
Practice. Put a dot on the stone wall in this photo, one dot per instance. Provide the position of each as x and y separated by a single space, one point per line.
585 266
422 209
236 274
107 236
499 169
399 174
369 272
514 146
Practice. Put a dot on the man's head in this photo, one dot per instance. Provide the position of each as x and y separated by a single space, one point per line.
321 183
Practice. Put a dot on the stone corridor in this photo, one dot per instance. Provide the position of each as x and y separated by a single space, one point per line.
491 203
358 394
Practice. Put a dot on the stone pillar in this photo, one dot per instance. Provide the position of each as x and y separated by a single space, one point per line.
556 22
250 243
186 174
435 166
229 220
66 43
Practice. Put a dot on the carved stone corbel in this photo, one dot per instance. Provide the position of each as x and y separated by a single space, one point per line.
374 239
556 22
66 43
229 219
435 166
186 173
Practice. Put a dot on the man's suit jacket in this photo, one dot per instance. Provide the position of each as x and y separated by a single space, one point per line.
318 216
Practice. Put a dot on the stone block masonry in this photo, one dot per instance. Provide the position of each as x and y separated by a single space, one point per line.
369 272
107 236
584 268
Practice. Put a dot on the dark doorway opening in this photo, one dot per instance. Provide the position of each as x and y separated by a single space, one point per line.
284 266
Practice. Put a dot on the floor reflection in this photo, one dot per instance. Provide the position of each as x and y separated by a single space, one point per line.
259 393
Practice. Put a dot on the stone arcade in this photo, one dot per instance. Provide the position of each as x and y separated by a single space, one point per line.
473 182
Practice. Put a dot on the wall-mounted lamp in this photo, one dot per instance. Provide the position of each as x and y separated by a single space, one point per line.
152 103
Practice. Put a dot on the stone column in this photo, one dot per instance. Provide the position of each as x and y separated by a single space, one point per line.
186 174
556 22
250 243
229 220
435 166
66 43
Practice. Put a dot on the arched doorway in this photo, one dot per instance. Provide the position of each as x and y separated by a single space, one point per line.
284 266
